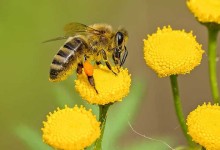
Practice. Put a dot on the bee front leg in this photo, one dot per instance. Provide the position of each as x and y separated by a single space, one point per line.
104 55
124 56
116 56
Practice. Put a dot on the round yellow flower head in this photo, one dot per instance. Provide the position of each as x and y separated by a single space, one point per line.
171 52
71 128
110 87
204 126
205 10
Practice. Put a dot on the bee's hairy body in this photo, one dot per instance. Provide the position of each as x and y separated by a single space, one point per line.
87 45
67 59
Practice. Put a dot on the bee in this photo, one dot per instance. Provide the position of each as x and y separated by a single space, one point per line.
84 44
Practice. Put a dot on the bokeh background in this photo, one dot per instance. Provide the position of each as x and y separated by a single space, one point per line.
26 95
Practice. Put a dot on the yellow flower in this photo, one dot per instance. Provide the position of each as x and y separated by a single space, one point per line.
204 126
205 10
110 87
71 128
171 52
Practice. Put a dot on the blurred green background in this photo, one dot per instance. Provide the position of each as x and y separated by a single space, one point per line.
26 95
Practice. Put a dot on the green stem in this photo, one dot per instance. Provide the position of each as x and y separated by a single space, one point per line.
212 44
178 108
103 109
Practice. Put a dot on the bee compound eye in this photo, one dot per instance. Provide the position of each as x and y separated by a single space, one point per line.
119 38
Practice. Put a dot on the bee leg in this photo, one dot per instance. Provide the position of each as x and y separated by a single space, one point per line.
116 58
92 83
88 69
109 66
79 68
104 55
98 63
124 57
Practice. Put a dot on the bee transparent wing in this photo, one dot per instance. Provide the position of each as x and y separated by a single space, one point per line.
56 39
73 28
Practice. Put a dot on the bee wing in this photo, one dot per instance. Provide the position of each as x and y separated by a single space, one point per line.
56 39
73 28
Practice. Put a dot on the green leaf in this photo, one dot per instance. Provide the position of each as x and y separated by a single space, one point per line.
31 138
122 113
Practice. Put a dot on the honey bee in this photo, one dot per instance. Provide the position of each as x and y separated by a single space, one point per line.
97 42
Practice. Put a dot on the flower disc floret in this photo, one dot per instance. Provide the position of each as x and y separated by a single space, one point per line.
171 52
71 128
111 88
204 126
205 11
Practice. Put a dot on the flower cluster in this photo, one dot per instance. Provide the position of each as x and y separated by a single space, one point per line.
206 11
203 123
204 126
77 128
111 87
71 128
171 52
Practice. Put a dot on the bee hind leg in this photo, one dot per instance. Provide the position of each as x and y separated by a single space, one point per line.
92 83
88 69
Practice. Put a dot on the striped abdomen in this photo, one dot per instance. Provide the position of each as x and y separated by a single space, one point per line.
65 61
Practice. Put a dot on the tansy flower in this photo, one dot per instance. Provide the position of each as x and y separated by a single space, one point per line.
71 128
171 52
204 126
110 87
205 10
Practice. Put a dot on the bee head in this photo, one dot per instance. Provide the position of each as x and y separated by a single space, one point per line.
120 40
119 37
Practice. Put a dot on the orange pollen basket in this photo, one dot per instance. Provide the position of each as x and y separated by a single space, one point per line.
88 68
